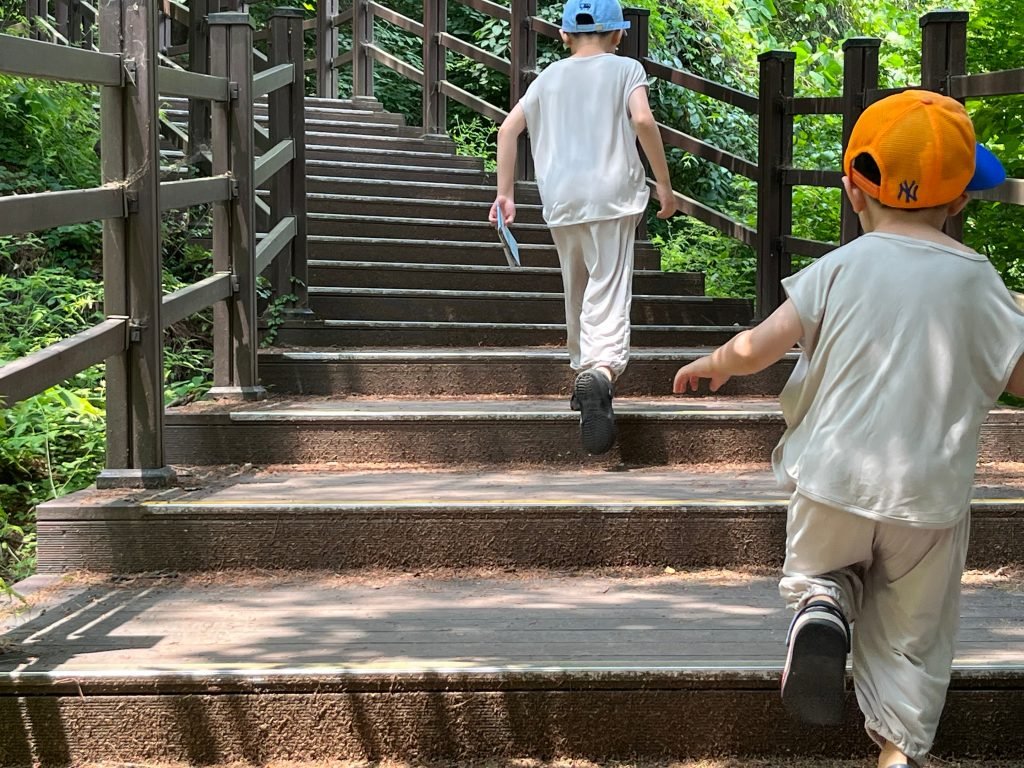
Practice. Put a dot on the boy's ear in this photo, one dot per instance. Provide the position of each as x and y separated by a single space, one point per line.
565 37
858 200
619 34
958 205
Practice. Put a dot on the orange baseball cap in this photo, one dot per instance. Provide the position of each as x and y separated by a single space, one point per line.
924 146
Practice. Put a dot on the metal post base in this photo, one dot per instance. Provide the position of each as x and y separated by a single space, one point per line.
236 393
164 477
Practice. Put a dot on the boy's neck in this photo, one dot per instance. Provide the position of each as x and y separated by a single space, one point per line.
591 48
925 225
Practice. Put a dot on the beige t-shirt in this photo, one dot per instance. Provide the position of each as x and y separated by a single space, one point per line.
906 347
584 146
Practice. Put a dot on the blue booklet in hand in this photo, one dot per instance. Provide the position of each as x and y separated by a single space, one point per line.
508 243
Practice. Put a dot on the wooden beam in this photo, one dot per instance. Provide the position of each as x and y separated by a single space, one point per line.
195 298
45 210
51 365
35 58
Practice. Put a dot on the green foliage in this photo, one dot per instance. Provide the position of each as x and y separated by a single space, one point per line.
475 137
50 289
688 245
995 42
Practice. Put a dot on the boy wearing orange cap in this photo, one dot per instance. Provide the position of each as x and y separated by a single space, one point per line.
907 339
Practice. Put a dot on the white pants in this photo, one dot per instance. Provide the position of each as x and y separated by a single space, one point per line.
901 586
597 275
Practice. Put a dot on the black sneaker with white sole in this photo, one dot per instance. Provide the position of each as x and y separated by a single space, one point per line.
814 680
593 394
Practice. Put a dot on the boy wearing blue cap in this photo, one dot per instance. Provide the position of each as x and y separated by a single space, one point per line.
584 115
907 339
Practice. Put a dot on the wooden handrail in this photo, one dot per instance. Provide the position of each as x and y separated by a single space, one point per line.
269 80
1008 82
393 62
186 193
40 370
486 7
702 85
496 114
185 302
35 58
475 53
394 17
709 152
44 210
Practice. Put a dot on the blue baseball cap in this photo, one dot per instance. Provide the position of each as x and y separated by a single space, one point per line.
592 16
988 171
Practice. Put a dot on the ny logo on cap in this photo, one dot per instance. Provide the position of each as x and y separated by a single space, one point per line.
908 189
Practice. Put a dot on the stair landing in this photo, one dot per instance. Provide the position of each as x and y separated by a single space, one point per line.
417 666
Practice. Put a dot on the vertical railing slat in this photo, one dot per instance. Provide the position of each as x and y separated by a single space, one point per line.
943 55
141 264
235 330
774 196
860 73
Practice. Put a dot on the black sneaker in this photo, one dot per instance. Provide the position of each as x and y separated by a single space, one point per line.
814 680
592 393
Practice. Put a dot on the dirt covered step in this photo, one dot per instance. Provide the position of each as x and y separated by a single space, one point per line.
484 277
456 667
418 228
318 148
412 518
460 190
413 251
400 333
378 169
445 371
414 207
509 306
484 431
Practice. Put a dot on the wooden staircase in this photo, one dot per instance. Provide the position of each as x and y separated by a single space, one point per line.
414 559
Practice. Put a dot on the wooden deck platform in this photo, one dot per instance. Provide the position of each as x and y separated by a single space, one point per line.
209 669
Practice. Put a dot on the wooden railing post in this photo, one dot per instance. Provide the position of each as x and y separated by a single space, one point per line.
435 23
943 55
636 45
288 186
327 48
523 57
860 74
362 62
774 196
235 373
198 61
131 253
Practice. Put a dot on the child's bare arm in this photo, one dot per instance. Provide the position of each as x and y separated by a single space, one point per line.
747 352
650 139
508 136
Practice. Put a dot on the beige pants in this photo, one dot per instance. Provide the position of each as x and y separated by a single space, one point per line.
597 275
901 586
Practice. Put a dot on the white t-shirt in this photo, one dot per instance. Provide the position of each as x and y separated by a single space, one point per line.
584 146
906 347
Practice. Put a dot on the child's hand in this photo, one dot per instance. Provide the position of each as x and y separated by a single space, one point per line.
508 210
667 199
690 376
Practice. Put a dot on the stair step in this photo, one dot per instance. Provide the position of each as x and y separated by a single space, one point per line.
370 333
413 207
332 169
503 518
373 274
480 371
507 306
453 252
316 119
389 156
361 103
404 227
380 187
260 669
488 431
